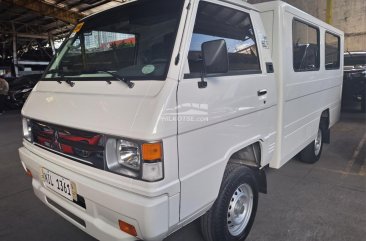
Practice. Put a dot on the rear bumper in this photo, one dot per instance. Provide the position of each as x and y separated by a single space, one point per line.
104 204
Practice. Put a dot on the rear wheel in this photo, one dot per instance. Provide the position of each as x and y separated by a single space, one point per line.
232 215
313 151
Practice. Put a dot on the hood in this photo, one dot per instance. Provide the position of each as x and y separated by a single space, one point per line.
104 108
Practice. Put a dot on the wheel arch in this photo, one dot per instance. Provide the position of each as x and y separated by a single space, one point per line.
250 157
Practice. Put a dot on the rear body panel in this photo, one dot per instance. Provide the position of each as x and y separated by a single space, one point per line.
302 96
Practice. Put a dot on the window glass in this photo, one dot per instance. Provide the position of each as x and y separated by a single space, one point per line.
103 50
217 22
305 41
133 41
332 51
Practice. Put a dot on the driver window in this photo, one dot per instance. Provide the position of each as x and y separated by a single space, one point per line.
235 27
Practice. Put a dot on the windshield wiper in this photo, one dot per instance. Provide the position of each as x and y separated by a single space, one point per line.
54 71
118 77
67 81
71 83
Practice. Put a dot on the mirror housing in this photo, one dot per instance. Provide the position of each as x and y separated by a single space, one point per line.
215 57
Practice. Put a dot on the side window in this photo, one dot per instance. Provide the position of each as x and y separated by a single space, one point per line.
332 51
305 44
217 22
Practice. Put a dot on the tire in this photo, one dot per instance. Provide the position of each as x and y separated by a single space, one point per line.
313 151
238 198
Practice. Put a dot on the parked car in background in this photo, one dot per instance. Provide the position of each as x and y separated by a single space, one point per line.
354 83
19 90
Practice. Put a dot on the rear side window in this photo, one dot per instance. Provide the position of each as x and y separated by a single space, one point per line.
332 51
235 27
305 42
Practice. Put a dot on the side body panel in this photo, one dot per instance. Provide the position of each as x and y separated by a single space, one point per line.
302 96
233 117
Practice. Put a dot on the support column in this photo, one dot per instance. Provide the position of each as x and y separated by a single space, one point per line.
15 57
329 19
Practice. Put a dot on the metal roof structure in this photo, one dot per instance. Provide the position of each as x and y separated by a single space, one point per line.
44 18
28 28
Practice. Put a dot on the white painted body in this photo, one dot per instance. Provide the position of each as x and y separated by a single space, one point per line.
283 121
302 96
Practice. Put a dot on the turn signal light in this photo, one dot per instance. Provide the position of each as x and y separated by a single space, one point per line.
152 151
28 173
127 228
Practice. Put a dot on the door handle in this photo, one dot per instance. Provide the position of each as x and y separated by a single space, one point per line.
262 92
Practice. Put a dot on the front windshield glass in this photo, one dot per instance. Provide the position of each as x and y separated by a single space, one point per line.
134 42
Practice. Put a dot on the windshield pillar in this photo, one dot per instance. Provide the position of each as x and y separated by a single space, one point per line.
82 46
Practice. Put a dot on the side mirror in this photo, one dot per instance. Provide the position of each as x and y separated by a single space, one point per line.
215 59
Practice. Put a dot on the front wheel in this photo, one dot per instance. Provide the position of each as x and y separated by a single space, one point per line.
232 215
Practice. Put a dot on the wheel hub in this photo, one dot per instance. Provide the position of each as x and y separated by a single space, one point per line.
318 143
239 206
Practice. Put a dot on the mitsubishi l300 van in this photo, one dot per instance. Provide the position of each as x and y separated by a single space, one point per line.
155 113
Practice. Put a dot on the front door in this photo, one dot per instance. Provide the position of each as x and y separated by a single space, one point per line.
236 108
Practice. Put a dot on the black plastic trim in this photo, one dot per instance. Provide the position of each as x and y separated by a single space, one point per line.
261 178
269 67
66 212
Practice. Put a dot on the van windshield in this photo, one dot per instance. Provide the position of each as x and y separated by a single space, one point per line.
134 41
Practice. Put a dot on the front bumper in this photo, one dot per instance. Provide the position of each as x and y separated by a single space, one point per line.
104 204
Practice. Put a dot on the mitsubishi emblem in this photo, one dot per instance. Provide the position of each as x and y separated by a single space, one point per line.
56 145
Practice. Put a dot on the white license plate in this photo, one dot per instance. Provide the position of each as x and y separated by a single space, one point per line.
59 184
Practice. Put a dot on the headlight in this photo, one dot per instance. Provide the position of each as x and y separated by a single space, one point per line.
128 155
135 159
27 130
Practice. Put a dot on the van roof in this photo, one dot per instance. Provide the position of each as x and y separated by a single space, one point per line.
242 3
283 6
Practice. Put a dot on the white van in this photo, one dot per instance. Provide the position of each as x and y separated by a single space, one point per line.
155 113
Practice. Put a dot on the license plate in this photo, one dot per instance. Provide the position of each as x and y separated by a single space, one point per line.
59 184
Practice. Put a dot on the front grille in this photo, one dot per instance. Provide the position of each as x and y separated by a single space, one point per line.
82 146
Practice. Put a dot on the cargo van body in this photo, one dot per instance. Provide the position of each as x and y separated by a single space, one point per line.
155 113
